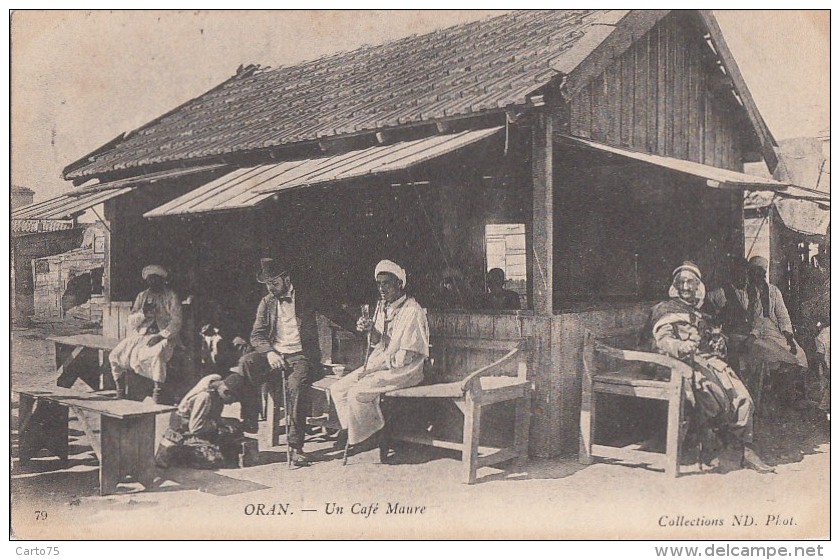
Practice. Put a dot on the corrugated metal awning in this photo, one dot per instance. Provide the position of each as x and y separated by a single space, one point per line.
248 187
715 176
65 206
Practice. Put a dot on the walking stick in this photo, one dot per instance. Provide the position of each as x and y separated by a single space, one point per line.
364 370
286 414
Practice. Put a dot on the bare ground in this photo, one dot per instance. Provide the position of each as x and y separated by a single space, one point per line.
549 498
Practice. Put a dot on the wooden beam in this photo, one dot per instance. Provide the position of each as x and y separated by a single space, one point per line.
541 272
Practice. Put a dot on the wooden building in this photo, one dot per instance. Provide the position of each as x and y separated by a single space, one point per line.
33 239
70 283
614 140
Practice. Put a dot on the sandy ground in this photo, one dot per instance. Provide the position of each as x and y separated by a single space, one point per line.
549 498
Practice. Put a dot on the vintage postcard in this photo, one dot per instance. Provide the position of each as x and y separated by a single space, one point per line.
549 274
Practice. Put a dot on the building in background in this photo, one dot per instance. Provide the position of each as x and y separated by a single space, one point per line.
789 228
21 196
30 240
38 229
70 283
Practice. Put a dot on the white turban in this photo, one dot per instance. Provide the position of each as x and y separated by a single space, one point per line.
391 268
154 269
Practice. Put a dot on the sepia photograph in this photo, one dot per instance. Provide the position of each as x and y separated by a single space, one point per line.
420 275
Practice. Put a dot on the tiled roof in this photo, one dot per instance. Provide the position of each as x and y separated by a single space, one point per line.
467 69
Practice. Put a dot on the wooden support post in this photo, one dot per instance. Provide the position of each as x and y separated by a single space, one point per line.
587 404
143 429
521 429
543 221
672 437
109 459
127 448
472 428
43 425
64 357
26 445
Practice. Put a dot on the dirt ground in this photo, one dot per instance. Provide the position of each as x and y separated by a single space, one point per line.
421 496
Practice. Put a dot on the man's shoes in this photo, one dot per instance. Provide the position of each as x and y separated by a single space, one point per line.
754 462
299 458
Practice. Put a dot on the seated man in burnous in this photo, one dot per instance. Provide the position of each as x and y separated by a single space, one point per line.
721 402
399 332
153 328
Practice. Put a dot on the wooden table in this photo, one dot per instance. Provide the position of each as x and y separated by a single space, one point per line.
125 445
85 357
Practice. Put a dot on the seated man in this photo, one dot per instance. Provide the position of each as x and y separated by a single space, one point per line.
198 436
773 332
285 342
153 326
728 306
720 399
497 297
400 332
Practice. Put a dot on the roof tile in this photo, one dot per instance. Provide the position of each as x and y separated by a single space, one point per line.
489 64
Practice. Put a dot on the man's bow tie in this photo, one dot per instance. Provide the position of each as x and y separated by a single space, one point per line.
284 299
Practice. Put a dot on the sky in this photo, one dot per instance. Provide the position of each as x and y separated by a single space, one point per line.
81 78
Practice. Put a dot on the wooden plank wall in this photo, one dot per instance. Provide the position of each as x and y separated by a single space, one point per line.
115 318
566 349
657 98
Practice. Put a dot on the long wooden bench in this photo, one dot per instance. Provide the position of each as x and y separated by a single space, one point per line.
610 368
472 384
125 445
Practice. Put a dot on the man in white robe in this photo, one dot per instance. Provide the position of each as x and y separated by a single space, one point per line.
153 326
399 331
771 326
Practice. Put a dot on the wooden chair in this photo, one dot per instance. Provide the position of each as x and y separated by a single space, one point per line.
620 372
470 391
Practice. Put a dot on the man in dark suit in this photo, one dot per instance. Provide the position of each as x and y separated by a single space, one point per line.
285 339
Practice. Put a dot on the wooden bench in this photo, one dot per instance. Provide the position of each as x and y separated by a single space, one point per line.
125 445
85 357
612 370
470 389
